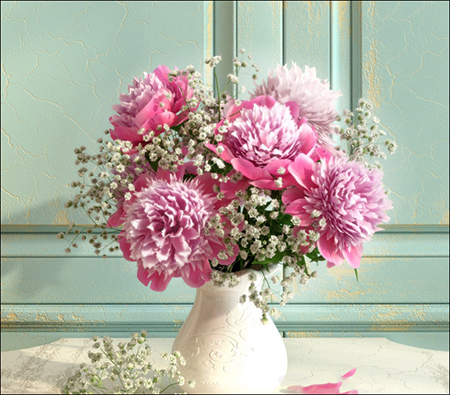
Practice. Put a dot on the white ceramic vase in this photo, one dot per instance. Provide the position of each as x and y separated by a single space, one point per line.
227 348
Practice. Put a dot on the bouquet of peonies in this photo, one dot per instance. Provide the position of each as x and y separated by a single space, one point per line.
197 184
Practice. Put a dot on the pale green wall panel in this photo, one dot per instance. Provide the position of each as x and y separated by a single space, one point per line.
64 65
260 32
307 35
340 62
114 280
405 74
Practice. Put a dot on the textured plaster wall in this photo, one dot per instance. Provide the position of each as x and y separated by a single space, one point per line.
406 75
63 66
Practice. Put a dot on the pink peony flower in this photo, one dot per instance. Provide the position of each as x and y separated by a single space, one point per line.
151 103
343 200
263 139
165 230
315 99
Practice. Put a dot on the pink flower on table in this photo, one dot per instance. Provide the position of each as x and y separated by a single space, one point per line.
263 138
152 102
165 231
314 97
343 200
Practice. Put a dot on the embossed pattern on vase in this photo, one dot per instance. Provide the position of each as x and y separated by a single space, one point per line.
226 346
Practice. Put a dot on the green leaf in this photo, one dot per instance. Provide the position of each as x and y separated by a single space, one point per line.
188 176
153 165
276 259
315 255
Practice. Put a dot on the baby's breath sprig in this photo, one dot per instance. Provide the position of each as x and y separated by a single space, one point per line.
364 137
125 368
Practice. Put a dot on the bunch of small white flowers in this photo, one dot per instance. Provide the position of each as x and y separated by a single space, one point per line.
223 279
364 137
125 369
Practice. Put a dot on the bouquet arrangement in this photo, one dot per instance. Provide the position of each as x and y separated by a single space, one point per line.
196 183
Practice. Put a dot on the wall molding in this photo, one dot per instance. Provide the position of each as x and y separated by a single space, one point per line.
167 318
395 241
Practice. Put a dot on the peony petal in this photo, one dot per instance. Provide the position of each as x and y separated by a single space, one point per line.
196 278
226 155
266 184
153 107
296 207
353 255
288 180
292 194
142 274
249 170
309 138
294 109
142 182
350 373
329 250
125 133
157 122
212 147
124 246
262 101
302 169
329 388
162 72
115 219
274 165
159 281
230 188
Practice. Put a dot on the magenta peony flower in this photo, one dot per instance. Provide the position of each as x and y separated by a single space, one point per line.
315 99
151 103
343 200
263 139
165 231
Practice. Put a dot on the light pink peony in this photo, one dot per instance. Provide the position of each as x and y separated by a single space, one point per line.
151 103
315 99
264 136
164 230
347 201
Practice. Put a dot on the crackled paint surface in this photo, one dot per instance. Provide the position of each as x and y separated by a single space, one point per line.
64 65
405 74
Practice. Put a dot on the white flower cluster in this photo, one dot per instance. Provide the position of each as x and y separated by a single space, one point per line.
125 369
363 134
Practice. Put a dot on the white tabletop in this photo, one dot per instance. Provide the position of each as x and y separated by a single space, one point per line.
382 366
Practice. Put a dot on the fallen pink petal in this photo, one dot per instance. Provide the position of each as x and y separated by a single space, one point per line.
350 373
328 388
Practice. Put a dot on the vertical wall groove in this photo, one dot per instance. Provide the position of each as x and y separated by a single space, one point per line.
356 52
